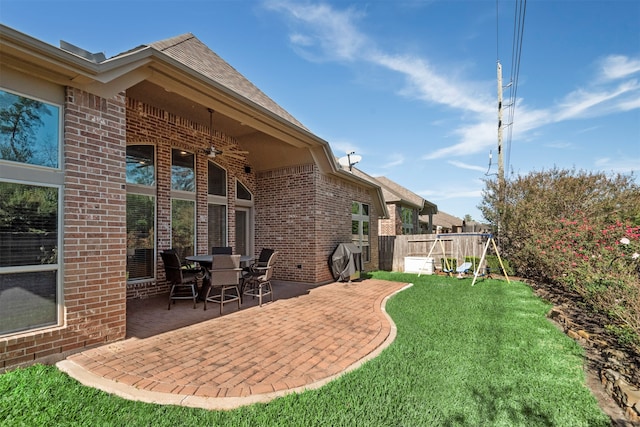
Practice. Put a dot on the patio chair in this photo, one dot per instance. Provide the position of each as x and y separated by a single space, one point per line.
184 282
221 250
184 263
258 283
250 271
223 281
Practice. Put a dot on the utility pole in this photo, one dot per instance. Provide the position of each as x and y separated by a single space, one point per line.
501 183
500 153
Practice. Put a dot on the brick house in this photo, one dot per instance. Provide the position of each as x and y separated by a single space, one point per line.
408 212
445 223
165 145
405 208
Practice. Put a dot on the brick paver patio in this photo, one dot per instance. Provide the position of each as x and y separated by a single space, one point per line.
301 340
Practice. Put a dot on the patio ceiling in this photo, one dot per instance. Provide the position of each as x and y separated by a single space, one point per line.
265 151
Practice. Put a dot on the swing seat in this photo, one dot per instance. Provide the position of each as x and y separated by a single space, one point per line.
464 268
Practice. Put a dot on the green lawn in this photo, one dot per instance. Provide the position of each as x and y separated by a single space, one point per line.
464 356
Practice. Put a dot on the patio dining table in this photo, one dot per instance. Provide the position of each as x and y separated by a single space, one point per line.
205 261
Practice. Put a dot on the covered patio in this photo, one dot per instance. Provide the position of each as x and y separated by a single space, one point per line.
306 337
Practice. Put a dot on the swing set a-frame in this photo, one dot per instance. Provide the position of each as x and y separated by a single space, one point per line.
440 239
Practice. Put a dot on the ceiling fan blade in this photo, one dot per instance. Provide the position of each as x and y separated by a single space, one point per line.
233 155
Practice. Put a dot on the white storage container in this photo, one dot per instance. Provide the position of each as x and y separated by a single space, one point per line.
419 264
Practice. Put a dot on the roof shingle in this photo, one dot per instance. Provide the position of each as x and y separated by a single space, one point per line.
190 51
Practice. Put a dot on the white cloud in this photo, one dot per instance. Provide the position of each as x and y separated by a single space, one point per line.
559 145
330 31
619 66
334 33
394 161
326 33
462 165
447 194
473 139
582 103
341 148
620 164
300 39
427 84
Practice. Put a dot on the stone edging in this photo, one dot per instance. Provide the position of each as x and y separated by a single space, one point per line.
614 371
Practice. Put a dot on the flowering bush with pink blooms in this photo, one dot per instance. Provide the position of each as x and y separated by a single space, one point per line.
579 231
602 264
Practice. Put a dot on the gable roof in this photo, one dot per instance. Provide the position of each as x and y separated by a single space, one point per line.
395 193
446 220
190 51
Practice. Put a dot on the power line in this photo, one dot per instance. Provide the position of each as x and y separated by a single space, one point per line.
516 56
519 19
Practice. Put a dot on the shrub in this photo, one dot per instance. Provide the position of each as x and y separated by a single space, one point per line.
493 263
453 264
474 260
578 231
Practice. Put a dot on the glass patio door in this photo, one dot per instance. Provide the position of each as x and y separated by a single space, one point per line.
244 240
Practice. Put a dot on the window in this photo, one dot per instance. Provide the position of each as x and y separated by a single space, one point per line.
183 225
183 176
217 179
141 208
244 220
183 202
217 225
242 193
407 220
29 131
141 165
360 229
30 213
217 205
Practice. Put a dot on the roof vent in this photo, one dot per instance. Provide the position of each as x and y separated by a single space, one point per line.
93 57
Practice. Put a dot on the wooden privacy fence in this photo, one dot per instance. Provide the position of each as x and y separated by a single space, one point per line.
394 249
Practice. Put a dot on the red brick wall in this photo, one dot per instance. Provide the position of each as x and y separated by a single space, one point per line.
393 225
304 215
298 211
147 124
94 256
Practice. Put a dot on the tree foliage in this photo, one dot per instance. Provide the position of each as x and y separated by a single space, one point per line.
19 122
575 229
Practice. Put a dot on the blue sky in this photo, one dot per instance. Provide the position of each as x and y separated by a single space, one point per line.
408 85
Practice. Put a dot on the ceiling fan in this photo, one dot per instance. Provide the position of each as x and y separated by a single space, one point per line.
212 151
235 154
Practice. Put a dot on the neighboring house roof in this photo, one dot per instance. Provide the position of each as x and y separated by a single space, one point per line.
395 193
445 220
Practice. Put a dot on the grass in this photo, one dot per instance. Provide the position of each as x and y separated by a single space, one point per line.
464 356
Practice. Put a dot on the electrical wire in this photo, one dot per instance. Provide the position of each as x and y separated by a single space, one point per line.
516 56
518 38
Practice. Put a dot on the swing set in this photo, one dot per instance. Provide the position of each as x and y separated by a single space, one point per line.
465 265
